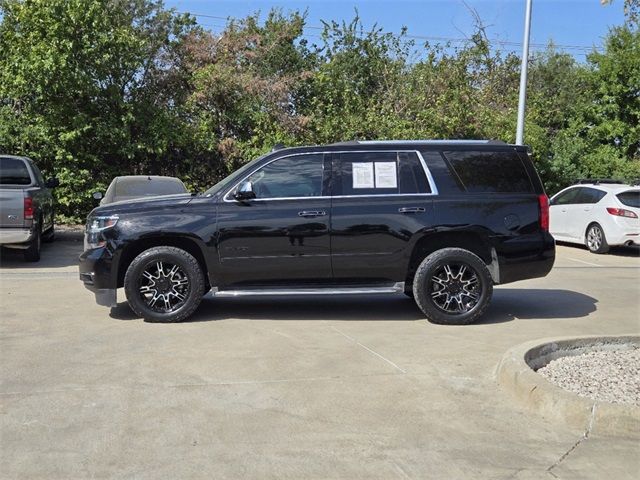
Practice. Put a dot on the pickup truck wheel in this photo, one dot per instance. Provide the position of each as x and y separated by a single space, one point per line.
452 286
32 253
164 284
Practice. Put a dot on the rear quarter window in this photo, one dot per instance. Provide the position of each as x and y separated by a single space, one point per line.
13 171
489 172
630 198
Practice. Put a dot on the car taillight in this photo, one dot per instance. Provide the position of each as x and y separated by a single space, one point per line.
543 203
28 208
621 212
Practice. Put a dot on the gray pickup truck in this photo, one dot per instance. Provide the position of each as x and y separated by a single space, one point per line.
26 206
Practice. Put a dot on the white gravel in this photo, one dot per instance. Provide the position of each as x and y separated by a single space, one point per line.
608 376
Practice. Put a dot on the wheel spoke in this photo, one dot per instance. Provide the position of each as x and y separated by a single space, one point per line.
179 282
148 276
160 268
173 271
147 289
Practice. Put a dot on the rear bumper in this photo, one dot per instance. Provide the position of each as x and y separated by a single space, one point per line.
533 263
95 272
15 237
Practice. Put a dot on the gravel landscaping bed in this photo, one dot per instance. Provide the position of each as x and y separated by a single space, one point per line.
608 376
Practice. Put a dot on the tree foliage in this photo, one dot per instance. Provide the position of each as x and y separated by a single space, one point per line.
96 88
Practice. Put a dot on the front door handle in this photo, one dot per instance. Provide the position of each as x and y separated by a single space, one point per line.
312 213
411 209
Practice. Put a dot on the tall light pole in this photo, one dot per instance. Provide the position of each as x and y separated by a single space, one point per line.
522 101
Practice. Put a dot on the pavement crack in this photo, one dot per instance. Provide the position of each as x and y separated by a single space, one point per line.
584 437
369 350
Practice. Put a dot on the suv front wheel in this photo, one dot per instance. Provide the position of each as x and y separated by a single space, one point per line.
164 284
452 286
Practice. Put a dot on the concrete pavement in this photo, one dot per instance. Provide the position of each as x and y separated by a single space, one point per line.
347 387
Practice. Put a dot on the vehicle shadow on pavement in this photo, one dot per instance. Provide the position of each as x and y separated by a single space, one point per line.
507 305
537 303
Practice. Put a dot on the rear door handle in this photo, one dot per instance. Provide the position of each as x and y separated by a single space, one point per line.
411 209
312 213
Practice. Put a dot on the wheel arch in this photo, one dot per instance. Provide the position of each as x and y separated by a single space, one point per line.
472 241
184 242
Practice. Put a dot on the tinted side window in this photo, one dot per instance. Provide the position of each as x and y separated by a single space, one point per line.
411 176
38 174
14 172
490 172
296 176
590 195
381 173
630 198
567 198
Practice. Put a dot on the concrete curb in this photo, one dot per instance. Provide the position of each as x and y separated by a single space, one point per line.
515 374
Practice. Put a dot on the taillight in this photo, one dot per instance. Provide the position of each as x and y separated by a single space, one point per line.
28 208
543 203
621 212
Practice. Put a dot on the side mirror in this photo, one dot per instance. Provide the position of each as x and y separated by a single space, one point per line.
244 192
52 183
98 195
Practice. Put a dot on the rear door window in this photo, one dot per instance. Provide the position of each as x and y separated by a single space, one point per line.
381 173
590 195
13 171
489 172
630 198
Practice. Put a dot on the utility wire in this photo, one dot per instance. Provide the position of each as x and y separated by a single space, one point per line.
580 49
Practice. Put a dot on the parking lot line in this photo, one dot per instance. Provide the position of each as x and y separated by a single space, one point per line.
586 263
369 350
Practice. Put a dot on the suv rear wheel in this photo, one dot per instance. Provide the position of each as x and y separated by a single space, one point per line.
164 284
452 286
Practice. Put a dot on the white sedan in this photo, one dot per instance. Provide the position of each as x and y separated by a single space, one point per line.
597 214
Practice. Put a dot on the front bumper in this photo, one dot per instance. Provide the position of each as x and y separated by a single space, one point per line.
15 237
96 272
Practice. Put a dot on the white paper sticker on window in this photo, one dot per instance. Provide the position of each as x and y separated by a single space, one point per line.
362 174
386 176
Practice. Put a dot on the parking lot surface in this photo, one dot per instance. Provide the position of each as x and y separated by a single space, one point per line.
314 387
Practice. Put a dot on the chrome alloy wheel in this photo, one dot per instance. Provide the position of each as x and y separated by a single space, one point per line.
164 287
454 288
594 238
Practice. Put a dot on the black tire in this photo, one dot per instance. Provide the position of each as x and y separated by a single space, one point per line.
148 278
470 288
595 240
50 235
32 253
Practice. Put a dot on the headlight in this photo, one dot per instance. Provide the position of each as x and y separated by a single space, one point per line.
93 237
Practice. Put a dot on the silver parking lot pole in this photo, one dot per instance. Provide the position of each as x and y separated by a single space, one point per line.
522 101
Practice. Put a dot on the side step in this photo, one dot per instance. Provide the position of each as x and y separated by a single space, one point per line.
360 290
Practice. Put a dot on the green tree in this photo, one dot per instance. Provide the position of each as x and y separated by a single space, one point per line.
79 90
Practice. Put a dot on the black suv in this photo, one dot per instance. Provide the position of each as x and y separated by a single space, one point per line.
441 221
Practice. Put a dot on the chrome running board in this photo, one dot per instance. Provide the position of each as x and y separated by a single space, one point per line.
362 290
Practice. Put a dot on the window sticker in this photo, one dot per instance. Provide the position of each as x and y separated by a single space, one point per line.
386 175
362 173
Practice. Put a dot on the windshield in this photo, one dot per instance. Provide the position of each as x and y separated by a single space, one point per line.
235 176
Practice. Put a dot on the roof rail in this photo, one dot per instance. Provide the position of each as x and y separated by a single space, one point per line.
426 141
596 181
